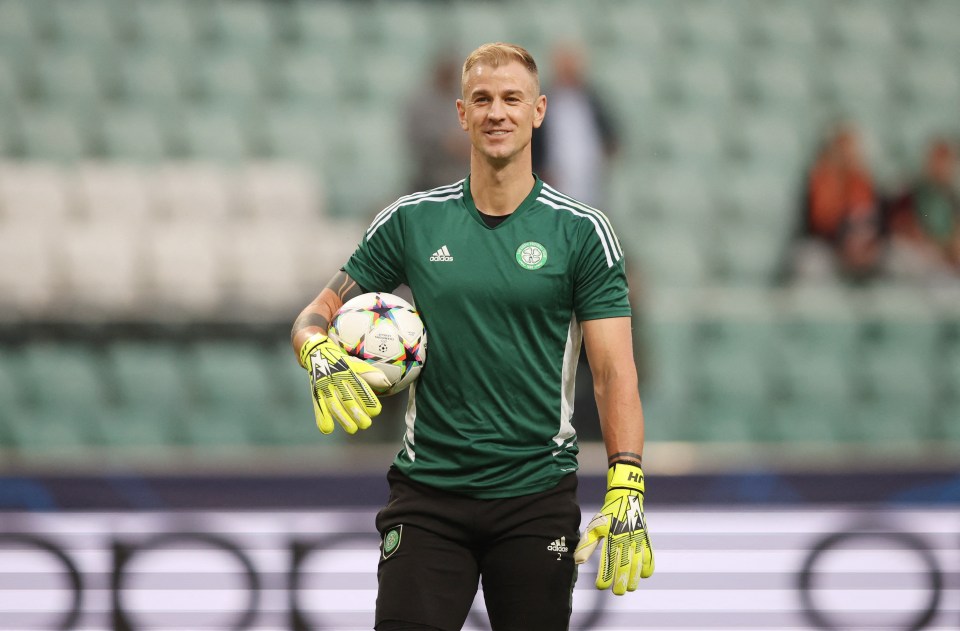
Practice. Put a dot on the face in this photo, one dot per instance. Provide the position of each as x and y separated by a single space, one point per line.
499 110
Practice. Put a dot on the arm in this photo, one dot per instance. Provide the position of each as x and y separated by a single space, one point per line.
338 381
316 316
610 352
626 555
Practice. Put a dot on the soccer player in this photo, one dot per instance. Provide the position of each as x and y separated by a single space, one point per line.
509 276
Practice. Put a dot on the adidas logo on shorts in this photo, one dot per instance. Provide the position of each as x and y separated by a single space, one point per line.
558 545
443 254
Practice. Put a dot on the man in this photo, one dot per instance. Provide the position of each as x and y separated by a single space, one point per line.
484 486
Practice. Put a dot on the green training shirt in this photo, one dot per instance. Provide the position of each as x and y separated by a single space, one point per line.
490 415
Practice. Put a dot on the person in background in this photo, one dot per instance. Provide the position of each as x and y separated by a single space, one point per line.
572 148
925 219
438 147
840 230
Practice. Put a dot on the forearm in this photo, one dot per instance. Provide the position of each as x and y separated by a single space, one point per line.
621 416
316 316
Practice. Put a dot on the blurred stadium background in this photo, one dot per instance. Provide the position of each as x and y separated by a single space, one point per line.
167 167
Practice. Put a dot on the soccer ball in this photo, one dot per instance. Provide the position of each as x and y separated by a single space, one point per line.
385 331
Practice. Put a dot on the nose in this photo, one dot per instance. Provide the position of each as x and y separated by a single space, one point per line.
497 110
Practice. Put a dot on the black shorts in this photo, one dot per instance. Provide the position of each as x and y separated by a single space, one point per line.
436 546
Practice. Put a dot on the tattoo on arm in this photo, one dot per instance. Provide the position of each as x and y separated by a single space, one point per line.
344 286
626 457
310 319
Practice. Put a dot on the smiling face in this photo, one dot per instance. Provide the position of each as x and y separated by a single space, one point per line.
500 108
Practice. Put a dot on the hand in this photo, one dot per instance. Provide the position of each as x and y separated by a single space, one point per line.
626 555
338 390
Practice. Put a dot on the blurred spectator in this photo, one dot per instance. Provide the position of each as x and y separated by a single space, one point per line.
572 147
840 229
439 148
925 218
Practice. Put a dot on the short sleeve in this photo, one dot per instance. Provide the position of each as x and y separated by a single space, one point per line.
377 263
600 279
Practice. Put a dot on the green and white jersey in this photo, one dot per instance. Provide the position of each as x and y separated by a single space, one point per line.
490 415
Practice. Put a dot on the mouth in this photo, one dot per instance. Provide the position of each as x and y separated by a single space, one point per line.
496 132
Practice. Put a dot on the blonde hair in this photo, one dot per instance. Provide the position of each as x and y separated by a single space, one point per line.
497 54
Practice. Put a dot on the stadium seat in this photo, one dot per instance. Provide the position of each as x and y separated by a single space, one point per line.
786 26
226 75
781 83
80 23
134 133
749 254
712 26
280 191
103 269
856 81
819 419
150 77
475 23
682 196
69 75
704 82
66 433
644 27
185 268
864 26
55 133
901 424
692 139
933 25
331 25
114 192
267 259
194 191
34 191
16 23
249 24
669 257
406 26
930 80
82 387
28 271
218 134
769 141
564 22
150 430
294 131
761 196
149 374
309 76
173 26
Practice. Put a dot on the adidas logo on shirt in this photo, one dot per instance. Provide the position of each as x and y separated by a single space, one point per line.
443 254
558 545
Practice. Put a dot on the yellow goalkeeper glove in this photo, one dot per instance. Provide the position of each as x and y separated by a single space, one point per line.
339 385
626 555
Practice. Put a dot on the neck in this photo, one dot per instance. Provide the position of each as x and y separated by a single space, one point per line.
498 189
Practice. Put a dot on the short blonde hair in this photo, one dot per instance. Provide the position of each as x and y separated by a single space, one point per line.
497 54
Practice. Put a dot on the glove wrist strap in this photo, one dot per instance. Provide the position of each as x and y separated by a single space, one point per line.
311 343
623 475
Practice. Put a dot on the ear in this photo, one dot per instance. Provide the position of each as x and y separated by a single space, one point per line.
540 110
462 114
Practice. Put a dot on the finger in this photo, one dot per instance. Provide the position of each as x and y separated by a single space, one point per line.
359 416
646 571
340 414
324 420
609 558
374 377
637 555
586 547
621 576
